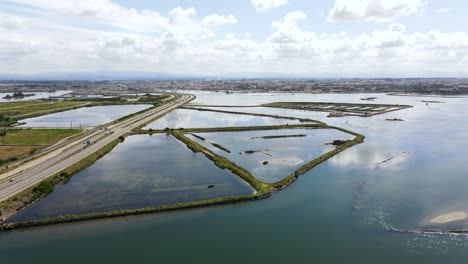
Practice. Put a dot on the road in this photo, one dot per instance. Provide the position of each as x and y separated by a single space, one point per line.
50 165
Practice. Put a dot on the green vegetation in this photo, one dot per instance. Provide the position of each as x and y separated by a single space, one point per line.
150 98
20 143
28 136
14 153
221 147
199 137
44 188
17 95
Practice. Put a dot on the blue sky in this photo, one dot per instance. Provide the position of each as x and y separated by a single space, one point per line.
321 38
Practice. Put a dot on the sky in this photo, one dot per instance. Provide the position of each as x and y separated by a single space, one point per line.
300 38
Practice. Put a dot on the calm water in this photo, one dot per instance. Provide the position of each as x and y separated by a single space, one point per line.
38 95
133 175
85 117
186 118
284 155
337 213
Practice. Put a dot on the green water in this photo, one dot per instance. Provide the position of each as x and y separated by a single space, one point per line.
134 175
319 219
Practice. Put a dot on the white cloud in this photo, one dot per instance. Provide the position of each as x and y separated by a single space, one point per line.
444 10
216 20
397 28
287 30
374 10
181 41
264 5
11 23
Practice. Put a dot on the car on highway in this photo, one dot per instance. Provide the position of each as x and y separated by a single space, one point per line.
12 180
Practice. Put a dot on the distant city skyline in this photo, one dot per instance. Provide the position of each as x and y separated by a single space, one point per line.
319 39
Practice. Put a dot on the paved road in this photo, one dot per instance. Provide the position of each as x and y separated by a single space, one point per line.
50 165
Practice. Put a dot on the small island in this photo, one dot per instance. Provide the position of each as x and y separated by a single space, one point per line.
369 99
395 119
17 95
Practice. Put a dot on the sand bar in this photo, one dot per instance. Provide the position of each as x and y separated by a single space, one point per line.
450 217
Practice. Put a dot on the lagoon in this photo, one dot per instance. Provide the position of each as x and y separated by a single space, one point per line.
188 118
134 175
83 117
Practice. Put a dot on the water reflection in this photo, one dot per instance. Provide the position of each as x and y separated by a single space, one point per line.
187 118
135 175
84 117
272 159
37 95
424 156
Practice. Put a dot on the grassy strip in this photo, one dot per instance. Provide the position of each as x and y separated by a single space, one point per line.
232 129
199 137
29 136
45 187
223 163
140 211
310 165
302 120
221 147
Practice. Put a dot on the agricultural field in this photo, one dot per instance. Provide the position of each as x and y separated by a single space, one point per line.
13 153
20 143
36 136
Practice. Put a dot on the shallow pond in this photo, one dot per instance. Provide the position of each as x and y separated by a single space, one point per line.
135 175
37 95
187 118
283 151
84 117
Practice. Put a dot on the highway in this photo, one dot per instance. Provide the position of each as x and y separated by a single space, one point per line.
55 162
